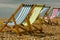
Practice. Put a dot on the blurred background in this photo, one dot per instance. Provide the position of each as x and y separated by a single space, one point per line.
7 7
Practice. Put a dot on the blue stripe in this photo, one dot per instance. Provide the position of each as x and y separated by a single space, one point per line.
43 11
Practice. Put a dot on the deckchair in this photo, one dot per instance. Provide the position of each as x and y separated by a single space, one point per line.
41 14
44 12
55 14
25 9
34 15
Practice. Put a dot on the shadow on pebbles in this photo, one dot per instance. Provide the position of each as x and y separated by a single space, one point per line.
13 36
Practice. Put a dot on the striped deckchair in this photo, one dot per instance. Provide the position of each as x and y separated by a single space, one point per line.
54 13
54 17
23 10
41 14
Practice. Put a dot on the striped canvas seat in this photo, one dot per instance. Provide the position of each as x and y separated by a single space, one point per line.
35 14
54 13
43 11
21 15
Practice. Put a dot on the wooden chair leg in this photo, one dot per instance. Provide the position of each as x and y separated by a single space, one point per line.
2 27
15 30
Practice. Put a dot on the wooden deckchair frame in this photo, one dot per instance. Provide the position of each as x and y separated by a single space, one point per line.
40 21
55 17
12 17
46 13
30 25
26 19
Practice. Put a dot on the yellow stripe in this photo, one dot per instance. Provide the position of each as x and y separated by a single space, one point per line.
34 15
